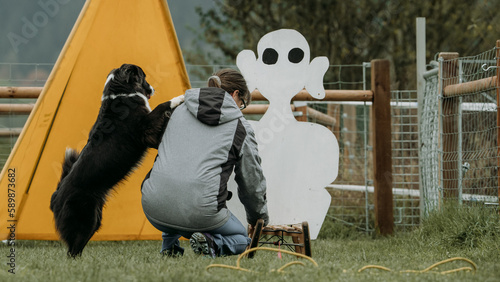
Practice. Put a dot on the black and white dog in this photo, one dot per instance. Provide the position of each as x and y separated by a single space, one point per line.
124 129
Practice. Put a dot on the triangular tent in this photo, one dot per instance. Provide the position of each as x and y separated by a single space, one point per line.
106 35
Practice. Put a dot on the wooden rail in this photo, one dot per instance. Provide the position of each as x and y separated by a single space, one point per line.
16 109
331 95
8 132
470 87
321 118
20 92
259 109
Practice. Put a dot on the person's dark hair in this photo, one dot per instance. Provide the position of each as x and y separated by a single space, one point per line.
231 80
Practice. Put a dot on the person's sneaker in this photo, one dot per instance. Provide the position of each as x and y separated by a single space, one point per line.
203 243
174 252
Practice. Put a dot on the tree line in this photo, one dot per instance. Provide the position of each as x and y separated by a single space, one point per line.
352 32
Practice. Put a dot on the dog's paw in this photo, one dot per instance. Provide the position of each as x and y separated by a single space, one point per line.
176 101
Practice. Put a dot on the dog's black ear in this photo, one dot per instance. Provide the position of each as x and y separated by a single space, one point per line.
129 71
133 72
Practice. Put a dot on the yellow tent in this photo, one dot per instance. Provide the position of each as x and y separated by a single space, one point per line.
106 34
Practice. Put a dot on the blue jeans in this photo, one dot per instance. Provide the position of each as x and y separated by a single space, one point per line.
230 239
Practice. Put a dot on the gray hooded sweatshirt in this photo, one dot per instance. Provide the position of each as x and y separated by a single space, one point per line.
206 137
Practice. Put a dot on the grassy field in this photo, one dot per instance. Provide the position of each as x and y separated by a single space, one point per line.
339 253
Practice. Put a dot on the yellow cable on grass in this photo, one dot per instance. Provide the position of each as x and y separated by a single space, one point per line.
374 266
474 267
289 264
238 267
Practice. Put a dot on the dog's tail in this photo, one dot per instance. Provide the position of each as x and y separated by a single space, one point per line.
70 157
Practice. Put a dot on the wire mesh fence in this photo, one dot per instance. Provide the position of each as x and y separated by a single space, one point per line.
469 117
461 162
352 191
466 170
405 159
24 74
11 123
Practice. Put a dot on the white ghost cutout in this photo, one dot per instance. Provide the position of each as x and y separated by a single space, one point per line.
283 66
298 158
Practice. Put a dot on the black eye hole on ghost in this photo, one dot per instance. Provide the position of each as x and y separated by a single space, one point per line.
296 55
270 56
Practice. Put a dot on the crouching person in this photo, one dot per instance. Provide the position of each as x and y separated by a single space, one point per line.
185 192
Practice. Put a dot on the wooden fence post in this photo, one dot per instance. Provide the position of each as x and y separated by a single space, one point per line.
449 110
382 154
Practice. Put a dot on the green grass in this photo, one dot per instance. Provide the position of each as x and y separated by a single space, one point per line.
468 232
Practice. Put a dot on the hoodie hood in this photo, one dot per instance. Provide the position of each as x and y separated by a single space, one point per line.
212 106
